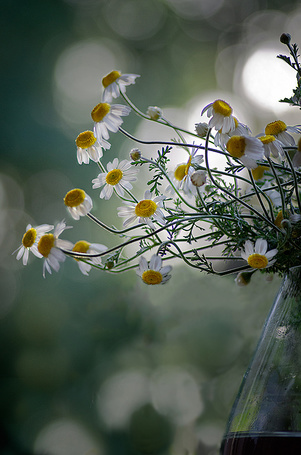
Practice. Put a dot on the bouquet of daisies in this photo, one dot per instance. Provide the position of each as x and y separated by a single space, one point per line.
242 216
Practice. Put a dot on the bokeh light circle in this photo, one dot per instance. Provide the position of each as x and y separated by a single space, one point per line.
266 79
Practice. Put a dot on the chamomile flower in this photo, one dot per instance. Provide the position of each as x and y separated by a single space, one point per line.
88 148
272 146
152 272
30 241
221 116
78 203
49 246
89 248
281 131
146 210
246 149
118 177
221 139
258 256
115 83
181 176
107 117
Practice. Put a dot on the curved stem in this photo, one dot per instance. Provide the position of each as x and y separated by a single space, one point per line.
162 122
295 179
232 196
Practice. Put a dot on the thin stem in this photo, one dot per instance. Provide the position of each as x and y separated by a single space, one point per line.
162 122
232 196
295 178
257 191
278 184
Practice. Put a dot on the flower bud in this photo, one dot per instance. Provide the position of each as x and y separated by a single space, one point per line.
285 38
201 129
154 112
243 278
135 154
109 264
198 178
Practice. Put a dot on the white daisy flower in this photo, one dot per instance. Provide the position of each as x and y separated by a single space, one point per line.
221 139
153 272
88 148
49 247
272 146
258 256
281 132
146 210
246 149
115 83
30 241
221 116
118 177
107 117
181 176
78 203
89 248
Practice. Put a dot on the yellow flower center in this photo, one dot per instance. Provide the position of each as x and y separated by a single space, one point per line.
279 219
236 146
223 108
29 237
275 128
113 177
81 247
85 140
257 261
145 208
110 78
258 172
152 277
100 111
45 244
267 139
180 172
235 122
74 197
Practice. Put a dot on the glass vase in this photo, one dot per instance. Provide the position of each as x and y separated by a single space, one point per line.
266 415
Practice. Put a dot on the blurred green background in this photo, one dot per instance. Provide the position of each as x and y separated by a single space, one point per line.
103 365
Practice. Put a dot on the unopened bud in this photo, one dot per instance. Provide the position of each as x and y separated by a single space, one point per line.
286 224
201 129
135 154
154 112
198 178
243 278
109 264
285 38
